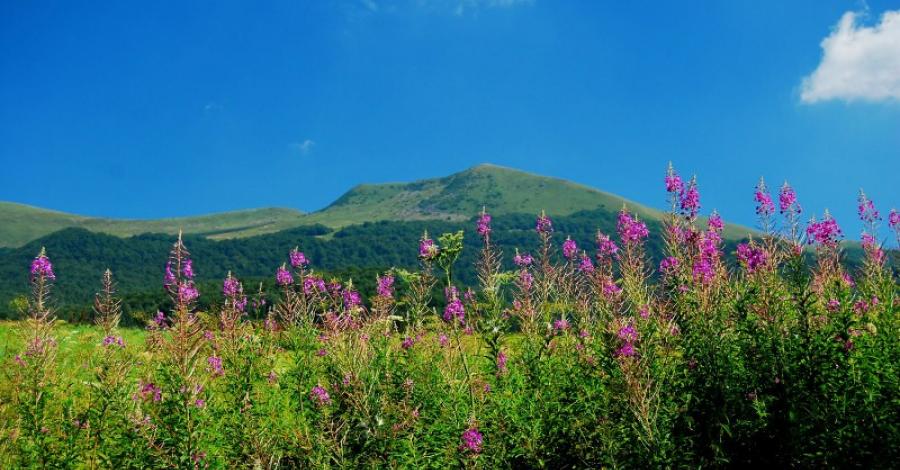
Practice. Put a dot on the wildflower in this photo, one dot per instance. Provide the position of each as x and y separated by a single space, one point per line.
606 248
586 265
523 261
312 284
443 340
200 403
319 396
484 224
627 350
669 265
215 366
787 200
501 362
543 225
113 340
298 259
351 299
231 287
41 266
825 233
322 352
455 311
526 279
148 389
407 343
715 224
674 185
283 277
894 219
833 305
472 441
764 205
187 292
631 229
690 199
866 209
561 325
751 257
611 289
169 278
188 269
703 271
428 250
628 333
385 286
273 377
570 248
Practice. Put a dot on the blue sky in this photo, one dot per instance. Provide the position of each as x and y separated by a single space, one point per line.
180 108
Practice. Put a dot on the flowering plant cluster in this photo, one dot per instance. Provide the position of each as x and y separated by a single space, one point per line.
769 351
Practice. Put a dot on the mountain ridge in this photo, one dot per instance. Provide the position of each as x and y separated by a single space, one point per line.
455 197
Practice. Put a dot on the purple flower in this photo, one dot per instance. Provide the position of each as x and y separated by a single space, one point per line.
298 259
187 292
627 350
443 340
833 305
894 219
674 185
200 403
113 340
455 311
311 284
41 266
523 260
866 209
561 325
427 249
150 390
231 287
606 248
631 230
570 248
751 257
787 199
628 333
715 224
526 279
407 343
826 233
586 265
703 271
690 199
764 205
169 279
611 289
501 362
283 277
386 286
484 224
188 269
472 441
319 396
351 299
215 366
543 224
669 265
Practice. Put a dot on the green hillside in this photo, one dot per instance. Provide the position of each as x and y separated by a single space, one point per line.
20 224
453 198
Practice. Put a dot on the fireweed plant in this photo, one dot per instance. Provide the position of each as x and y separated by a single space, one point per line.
569 357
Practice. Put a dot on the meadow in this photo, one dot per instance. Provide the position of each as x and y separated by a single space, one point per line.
578 357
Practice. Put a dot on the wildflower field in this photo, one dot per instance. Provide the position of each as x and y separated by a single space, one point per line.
777 353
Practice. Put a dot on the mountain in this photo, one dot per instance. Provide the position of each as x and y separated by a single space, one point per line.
20 224
452 198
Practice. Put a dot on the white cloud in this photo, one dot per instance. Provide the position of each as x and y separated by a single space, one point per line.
858 62
303 147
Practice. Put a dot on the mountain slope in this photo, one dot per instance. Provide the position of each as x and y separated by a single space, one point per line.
20 224
453 198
